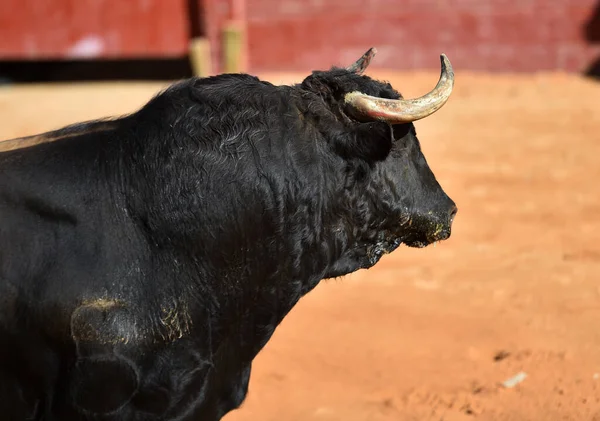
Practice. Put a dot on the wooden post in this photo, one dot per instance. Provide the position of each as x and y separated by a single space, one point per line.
200 57
199 49
234 38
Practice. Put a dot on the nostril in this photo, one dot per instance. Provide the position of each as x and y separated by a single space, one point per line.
444 235
452 214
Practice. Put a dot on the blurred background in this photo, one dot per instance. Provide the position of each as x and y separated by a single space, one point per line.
501 321
58 39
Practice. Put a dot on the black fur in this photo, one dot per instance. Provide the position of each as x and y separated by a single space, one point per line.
145 262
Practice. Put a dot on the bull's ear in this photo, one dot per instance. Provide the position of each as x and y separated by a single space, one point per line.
370 142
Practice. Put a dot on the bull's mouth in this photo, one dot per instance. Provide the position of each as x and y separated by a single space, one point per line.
425 232
416 239
440 234
417 244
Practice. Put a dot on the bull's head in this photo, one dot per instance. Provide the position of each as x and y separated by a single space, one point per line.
390 194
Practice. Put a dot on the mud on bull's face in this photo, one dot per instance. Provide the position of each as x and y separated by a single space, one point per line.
425 210
400 200
402 203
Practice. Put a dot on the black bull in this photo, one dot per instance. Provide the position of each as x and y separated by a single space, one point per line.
146 260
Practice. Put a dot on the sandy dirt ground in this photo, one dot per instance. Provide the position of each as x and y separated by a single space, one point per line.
431 334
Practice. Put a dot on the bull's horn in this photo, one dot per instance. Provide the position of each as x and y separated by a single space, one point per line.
395 111
360 65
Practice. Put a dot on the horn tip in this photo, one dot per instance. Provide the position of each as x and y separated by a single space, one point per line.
370 53
446 65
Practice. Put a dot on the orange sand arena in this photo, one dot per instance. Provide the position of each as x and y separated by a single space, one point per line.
431 334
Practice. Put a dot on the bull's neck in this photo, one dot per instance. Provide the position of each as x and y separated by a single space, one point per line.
259 226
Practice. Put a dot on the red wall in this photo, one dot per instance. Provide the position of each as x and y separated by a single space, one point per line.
503 35
37 29
493 35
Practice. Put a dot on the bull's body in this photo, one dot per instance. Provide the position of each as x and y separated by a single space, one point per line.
146 260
